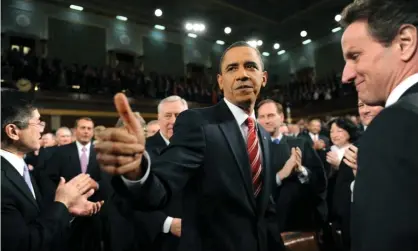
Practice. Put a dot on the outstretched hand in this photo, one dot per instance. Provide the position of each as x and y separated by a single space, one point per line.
119 150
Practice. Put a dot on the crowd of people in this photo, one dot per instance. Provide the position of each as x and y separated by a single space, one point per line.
53 75
232 176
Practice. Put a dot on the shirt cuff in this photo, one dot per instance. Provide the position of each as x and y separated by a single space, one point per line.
303 175
167 225
352 189
130 183
278 181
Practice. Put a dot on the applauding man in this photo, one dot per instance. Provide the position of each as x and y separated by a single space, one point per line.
27 224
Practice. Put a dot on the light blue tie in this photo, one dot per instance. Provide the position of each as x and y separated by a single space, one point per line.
28 181
276 141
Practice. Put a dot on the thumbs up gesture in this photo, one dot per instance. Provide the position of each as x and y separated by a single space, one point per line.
119 150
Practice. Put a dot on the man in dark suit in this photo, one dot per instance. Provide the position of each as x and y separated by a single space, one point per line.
346 174
218 157
28 224
318 141
165 226
69 161
300 201
63 137
379 34
162 228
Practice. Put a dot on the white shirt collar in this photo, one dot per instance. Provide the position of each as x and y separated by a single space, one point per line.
399 90
167 142
80 147
278 137
239 114
17 162
313 136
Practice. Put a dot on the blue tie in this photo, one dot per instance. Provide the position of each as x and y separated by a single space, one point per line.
28 181
276 141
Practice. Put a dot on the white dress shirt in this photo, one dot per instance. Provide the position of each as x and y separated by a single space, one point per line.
399 90
314 137
17 162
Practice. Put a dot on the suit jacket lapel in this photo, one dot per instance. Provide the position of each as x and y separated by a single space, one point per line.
411 90
75 159
36 190
265 141
92 158
18 181
237 145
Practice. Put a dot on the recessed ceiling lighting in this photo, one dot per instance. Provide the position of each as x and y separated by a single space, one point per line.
337 18
227 30
122 18
336 29
220 42
276 46
76 7
303 33
192 35
189 26
307 41
158 12
159 27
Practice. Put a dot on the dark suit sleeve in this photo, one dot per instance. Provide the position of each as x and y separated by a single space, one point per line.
342 191
19 235
51 174
313 163
384 212
173 168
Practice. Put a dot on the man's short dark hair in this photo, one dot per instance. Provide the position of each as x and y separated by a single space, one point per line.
384 17
279 107
239 44
83 118
314 119
16 108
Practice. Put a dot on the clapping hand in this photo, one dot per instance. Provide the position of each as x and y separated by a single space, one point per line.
74 195
119 150
293 163
350 158
332 158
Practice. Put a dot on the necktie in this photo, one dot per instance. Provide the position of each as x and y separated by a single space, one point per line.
276 141
26 177
254 156
83 160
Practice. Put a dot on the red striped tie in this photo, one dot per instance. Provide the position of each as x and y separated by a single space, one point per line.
254 155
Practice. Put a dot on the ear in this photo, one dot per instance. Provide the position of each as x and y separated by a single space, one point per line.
265 76
407 40
12 132
220 81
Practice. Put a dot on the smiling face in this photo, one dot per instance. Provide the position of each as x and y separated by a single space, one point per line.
374 67
367 112
368 64
242 76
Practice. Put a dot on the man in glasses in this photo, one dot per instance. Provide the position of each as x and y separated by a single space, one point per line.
27 223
